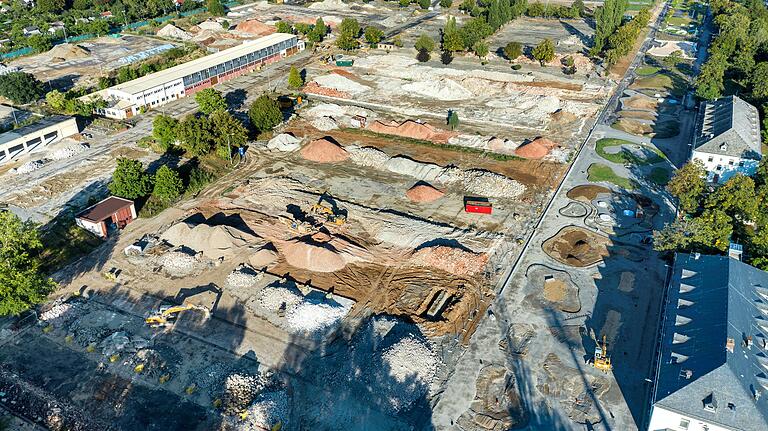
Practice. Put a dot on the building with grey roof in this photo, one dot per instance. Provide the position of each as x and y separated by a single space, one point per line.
712 365
727 138
35 136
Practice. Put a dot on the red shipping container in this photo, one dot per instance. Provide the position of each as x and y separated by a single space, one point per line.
478 207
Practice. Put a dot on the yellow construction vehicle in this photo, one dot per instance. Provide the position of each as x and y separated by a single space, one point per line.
167 313
601 360
328 214
300 227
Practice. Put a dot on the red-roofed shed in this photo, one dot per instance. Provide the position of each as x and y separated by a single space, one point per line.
106 216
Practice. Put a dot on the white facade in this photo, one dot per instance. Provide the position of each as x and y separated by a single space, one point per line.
36 135
721 167
663 419
92 227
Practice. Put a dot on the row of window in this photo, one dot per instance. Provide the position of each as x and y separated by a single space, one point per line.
231 65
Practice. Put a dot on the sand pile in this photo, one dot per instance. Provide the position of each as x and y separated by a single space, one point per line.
68 51
212 241
313 257
173 32
441 89
284 142
337 82
423 193
324 150
412 129
536 149
450 259
256 27
265 256
210 25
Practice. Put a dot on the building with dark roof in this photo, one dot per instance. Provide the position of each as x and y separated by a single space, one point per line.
712 369
107 216
727 138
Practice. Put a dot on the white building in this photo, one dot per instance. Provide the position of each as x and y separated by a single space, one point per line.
712 365
128 99
727 138
35 136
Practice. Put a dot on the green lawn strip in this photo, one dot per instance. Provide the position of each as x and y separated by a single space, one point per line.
659 176
647 70
662 82
598 172
626 157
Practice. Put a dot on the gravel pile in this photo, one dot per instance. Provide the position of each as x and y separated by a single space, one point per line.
411 366
272 297
244 277
311 317
239 391
68 151
482 183
367 156
324 124
59 314
284 142
211 378
177 263
31 166
268 409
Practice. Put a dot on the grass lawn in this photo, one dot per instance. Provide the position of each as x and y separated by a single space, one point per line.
662 82
625 156
647 70
598 172
659 176
682 21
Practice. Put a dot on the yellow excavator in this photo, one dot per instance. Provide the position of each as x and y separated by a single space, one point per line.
168 313
328 214
601 360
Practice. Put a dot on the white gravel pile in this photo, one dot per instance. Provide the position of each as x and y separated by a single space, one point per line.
31 166
326 110
272 297
324 124
412 367
58 313
441 89
174 32
408 167
239 391
337 5
284 142
268 409
310 317
340 83
68 151
244 277
367 156
178 262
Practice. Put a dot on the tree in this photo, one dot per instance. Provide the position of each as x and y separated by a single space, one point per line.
480 48
424 4
544 52
673 58
513 50
474 31
578 8
210 100
404 3
759 80
22 283
570 65
51 6
40 42
451 38
425 43
445 4
446 57
55 100
228 132
164 130
129 179
168 185
349 31
295 80
423 56
687 185
709 82
607 19
265 114
373 35
453 119
318 32
20 87
215 7
284 27
195 136
736 197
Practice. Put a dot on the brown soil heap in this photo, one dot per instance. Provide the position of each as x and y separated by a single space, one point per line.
536 149
423 192
324 150
257 27
68 51
315 88
577 247
412 129
586 192
212 241
312 257
450 259
264 257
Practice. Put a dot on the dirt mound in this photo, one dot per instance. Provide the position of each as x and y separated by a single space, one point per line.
640 101
412 129
315 88
324 150
450 259
563 117
577 247
423 192
212 241
256 27
263 257
312 257
586 192
68 51
532 150
174 32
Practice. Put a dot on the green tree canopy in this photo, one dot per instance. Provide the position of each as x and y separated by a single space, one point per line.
452 41
480 49
736 197
129 179
210 100
607 19
228 131
20 87
284 27
424 42
265 114
215 7
22 284
195 136
687 185
349 31
52 6
164 130
318 31
513 50
56 100
168 185
445 4
544 52
295 80
373 35
424 4
453 120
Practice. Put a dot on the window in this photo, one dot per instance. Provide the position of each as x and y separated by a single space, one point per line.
741 164
730 163
719 168
711 159
684 423
731 406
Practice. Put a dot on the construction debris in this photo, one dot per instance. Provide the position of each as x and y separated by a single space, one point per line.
239 391
243 277
412 366
284 142
451 259
68 151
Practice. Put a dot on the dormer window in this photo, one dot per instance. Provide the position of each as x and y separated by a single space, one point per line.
723 147
710 403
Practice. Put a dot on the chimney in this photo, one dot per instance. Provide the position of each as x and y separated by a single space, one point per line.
729 344
735 251
748 342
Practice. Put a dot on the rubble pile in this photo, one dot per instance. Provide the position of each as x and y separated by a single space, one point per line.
211 378
265 412
324 124
273 297
31 166
177 263
310 317
367 156
119 342
68 151
284 142
411 366
315 88
482 182
244 276
59 313
451 259
239 391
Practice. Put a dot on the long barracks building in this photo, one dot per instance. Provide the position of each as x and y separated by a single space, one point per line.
127 99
